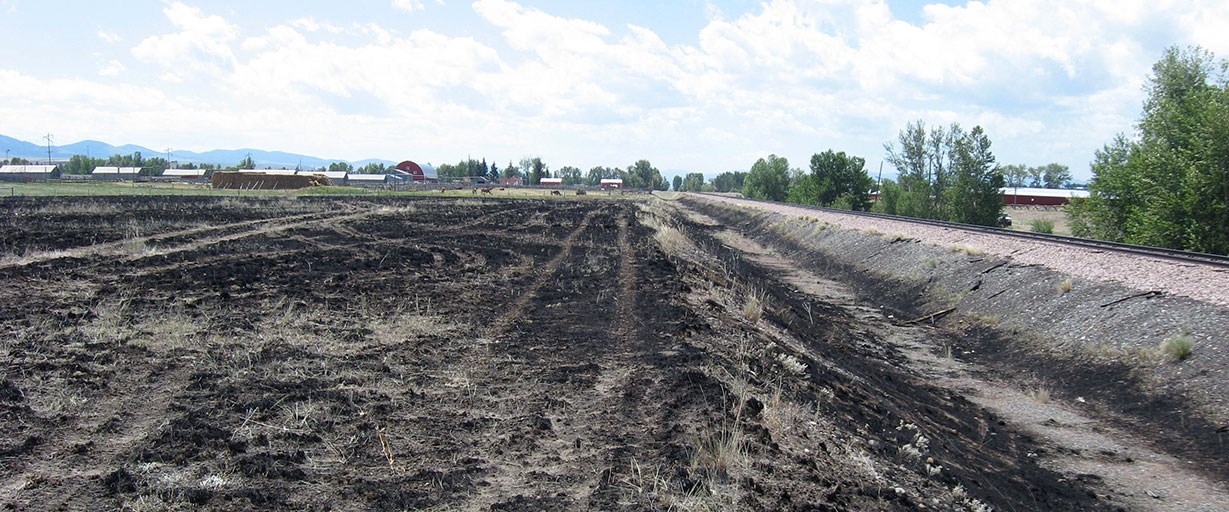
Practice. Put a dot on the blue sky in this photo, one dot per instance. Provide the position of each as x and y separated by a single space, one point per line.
690 85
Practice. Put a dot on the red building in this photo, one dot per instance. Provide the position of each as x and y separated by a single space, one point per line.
418 172
1027 196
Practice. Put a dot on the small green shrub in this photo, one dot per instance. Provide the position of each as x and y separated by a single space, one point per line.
1178 347
1042 226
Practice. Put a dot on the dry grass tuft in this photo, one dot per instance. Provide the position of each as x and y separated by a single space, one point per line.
753 309
1065 286
1178 348
1040 394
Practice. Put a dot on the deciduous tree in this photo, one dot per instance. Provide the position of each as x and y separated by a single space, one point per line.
768 179
1169 187
946 173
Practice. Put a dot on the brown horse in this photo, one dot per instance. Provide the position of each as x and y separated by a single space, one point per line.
486 191
556 193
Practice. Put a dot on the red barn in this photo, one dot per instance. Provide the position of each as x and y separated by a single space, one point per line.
418 172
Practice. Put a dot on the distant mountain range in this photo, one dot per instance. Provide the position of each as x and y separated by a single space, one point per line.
225 157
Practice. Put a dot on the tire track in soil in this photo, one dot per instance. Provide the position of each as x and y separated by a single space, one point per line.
501 326
270 228
112 248
580 423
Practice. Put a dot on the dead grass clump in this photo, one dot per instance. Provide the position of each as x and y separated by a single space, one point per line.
112 322
1178 348
1040 394
965 249
753 309
1065 286
791 364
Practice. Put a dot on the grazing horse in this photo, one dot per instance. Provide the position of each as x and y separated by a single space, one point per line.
486 191
556 193
442 189
580 192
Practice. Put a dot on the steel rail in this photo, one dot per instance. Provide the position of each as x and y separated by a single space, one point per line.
1199 258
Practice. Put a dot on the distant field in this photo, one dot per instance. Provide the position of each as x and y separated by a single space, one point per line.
103 189
1021 219
165 189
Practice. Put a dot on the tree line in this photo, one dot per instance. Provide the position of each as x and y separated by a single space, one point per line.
944 173
531 170
1167 186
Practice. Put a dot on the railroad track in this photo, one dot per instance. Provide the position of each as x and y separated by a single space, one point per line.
1198 258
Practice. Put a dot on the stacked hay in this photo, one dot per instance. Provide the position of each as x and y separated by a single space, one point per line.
262 181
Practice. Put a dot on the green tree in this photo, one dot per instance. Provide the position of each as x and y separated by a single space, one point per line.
642 174
80 164
921 161
1055 175
694 182
570 175
889 198
975 193
835 177
154 166
373 168
511 171
678 183
247 162
946 173
731 181
1169 187
1015 175
768 179
537 171
342 167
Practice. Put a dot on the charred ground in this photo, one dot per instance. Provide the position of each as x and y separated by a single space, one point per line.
457 354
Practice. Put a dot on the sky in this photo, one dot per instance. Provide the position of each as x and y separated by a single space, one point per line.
690 85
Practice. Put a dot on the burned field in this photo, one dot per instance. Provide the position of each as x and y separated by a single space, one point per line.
330 354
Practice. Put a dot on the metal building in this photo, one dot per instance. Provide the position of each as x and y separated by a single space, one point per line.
29 172
115 173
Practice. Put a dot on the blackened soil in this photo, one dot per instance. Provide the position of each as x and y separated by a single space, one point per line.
1122 393
401 354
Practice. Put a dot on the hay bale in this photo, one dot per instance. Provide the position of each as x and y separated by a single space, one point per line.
261 181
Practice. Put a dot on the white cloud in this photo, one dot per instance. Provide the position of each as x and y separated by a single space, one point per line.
109 37
111 68
202 43
408 5
1048 81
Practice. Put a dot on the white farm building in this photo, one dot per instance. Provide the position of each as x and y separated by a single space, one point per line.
29 172
115 173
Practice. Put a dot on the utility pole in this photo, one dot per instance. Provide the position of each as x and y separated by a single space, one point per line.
879 180
168 158
48 137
